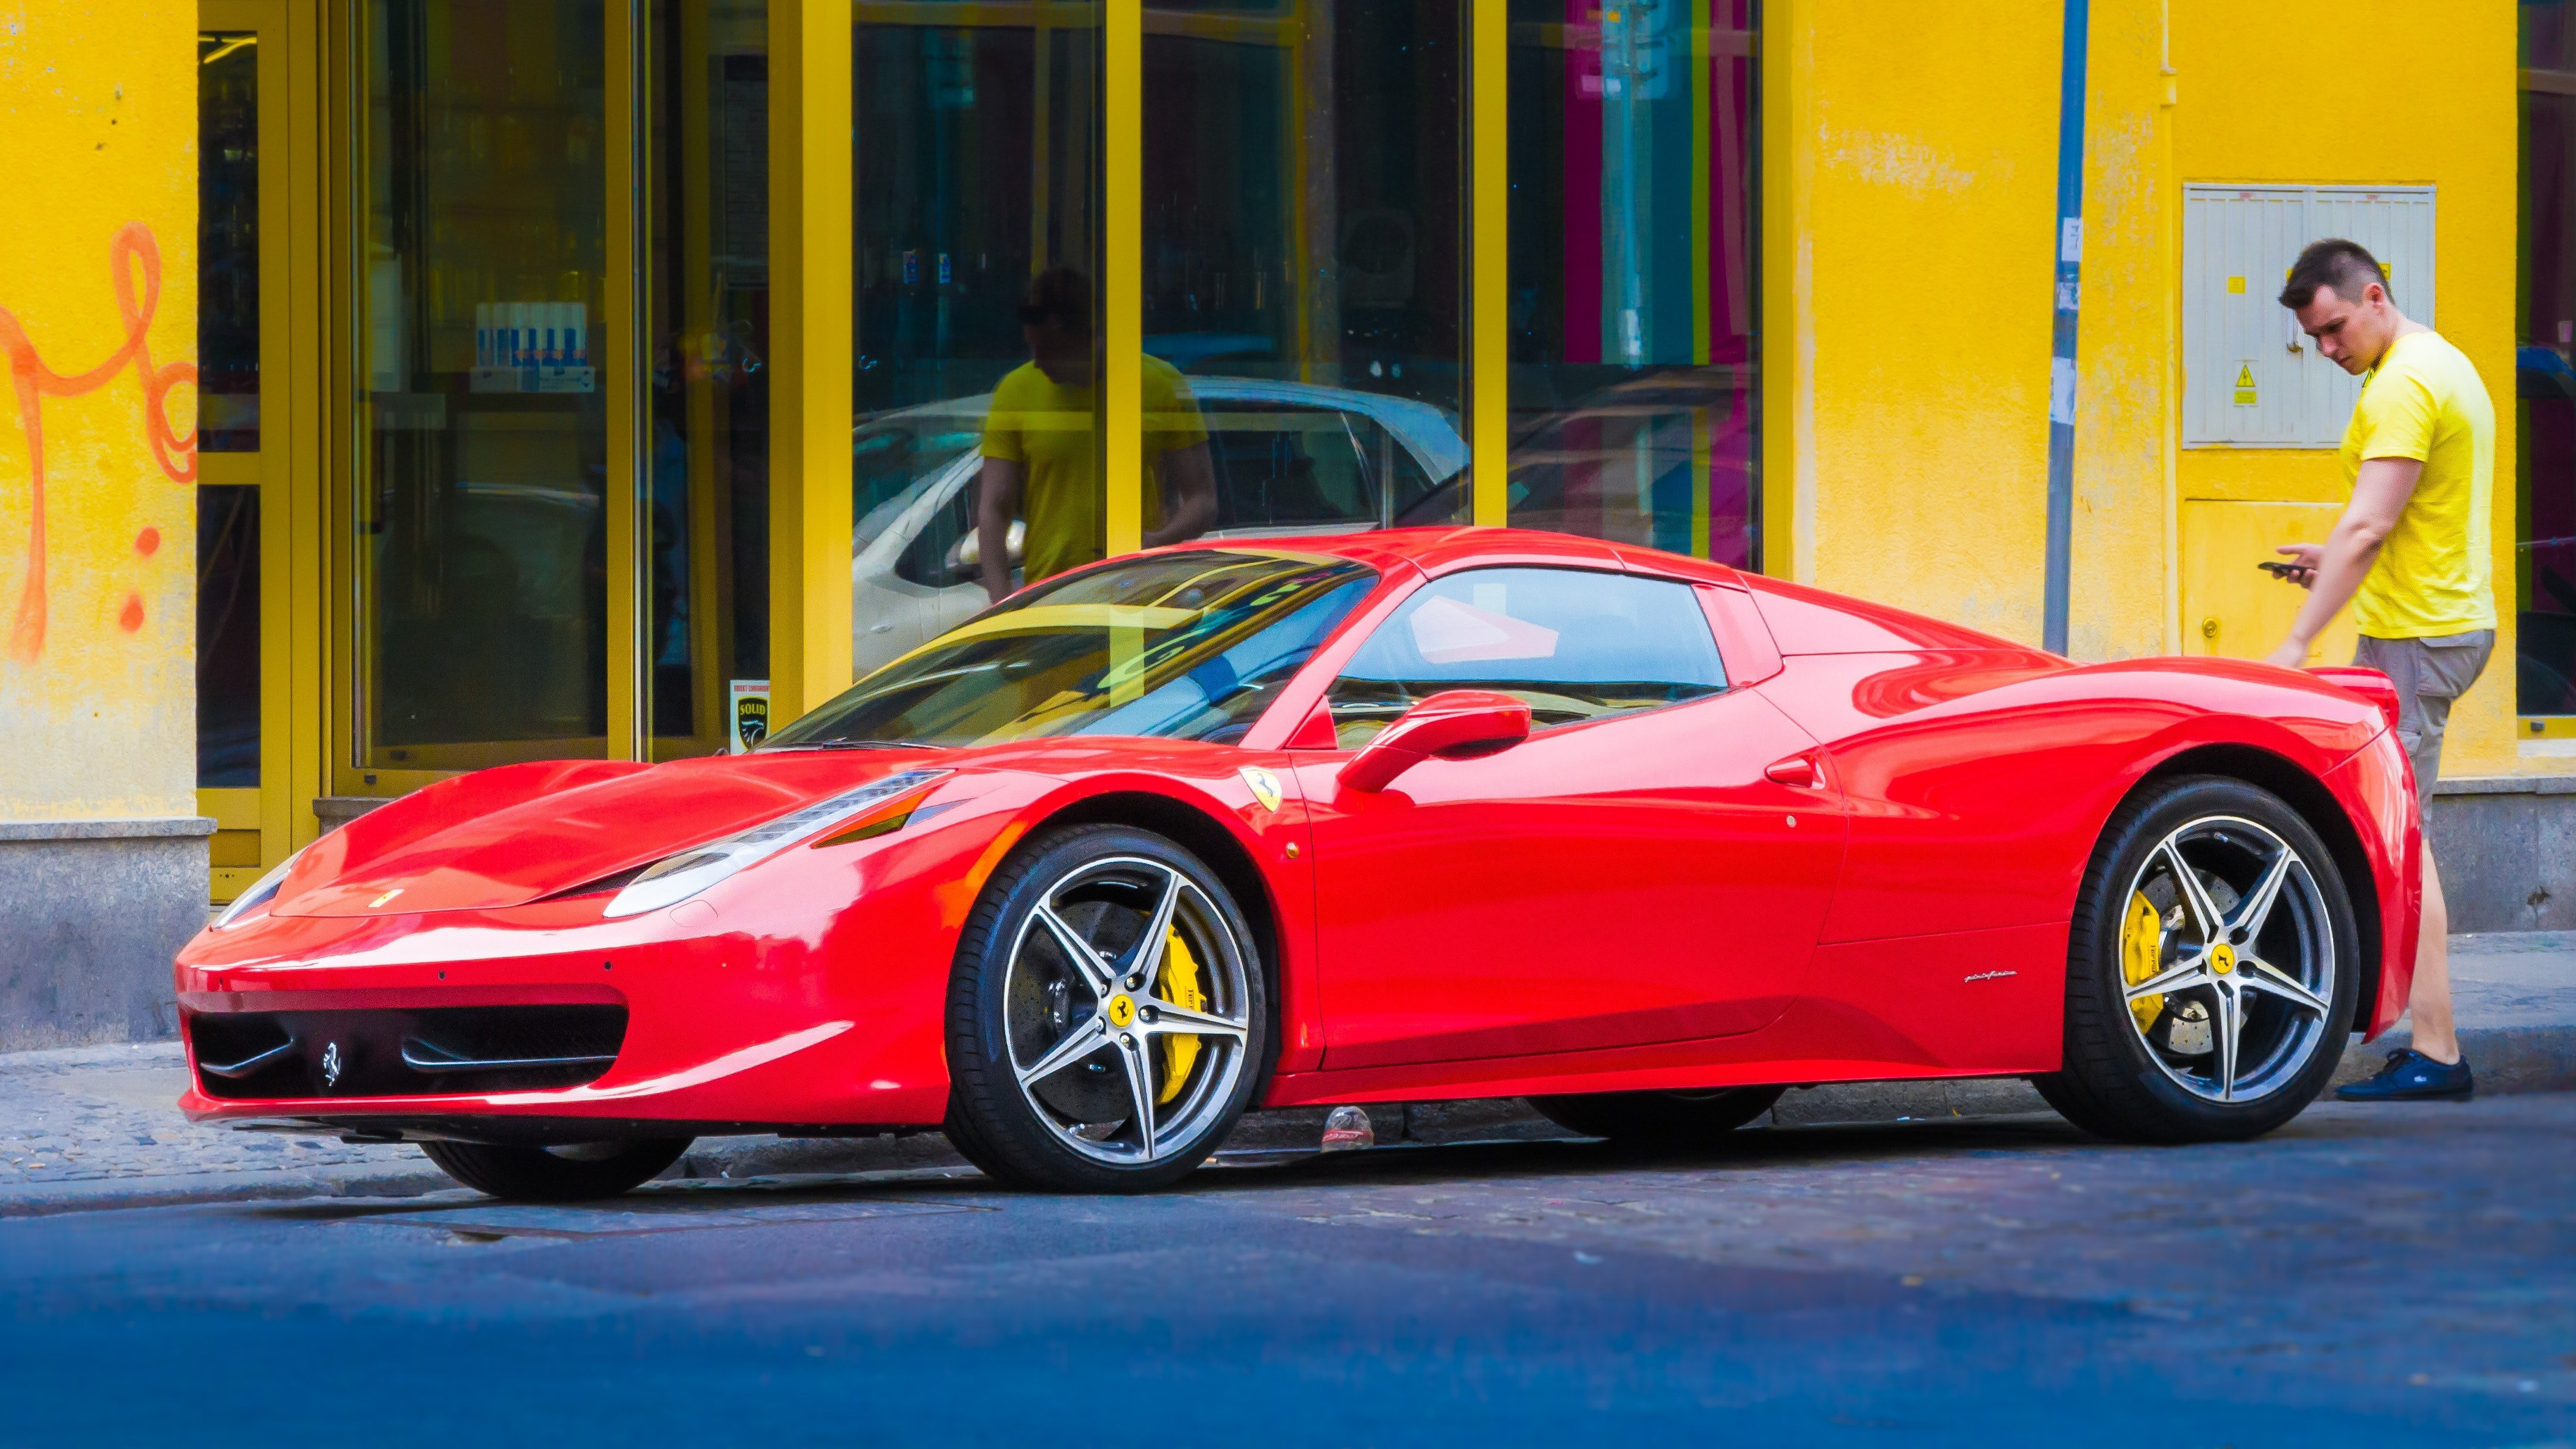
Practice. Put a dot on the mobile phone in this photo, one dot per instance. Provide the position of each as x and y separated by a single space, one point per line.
2277 570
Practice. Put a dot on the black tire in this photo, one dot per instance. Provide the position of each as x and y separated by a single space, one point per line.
2112 1081
993 1120
556 1174
1658 1119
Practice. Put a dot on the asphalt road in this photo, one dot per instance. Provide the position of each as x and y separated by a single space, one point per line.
2390 1276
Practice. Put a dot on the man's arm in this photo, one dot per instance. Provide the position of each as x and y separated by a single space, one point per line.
997 500
2333 573
1189 474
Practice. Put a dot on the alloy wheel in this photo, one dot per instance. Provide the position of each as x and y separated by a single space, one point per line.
2227 958
1127 1010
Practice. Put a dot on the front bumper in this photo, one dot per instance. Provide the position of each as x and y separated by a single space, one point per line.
453 1026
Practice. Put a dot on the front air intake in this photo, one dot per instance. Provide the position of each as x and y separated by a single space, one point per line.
430 1051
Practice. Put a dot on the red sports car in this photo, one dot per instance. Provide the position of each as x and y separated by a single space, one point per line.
1429 814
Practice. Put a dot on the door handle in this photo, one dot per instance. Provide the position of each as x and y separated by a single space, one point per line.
1799 770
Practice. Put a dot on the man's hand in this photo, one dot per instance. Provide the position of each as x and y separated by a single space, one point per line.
2303 561
1189 489
2292 655
997 500
2337 568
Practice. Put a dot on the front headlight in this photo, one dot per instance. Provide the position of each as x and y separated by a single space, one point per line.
261 892
674 879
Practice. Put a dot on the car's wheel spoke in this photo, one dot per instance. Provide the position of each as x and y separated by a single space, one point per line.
2263 976
2194 972
2230 1019
2256 909
1078 1043
1170 1020
1079 953
1146 960
2195 896
1140 1090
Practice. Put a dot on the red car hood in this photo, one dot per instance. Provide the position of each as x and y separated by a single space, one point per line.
509 836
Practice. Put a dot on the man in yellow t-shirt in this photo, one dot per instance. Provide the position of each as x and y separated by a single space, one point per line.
2412 553
1042 453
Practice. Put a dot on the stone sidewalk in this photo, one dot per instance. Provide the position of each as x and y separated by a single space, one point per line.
95 1126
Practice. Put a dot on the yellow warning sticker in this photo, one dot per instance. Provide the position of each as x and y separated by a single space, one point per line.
2236 285
2247 393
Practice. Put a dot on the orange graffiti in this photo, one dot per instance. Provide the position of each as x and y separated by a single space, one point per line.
34 382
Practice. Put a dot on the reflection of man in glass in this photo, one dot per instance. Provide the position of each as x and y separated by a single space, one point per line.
1042 459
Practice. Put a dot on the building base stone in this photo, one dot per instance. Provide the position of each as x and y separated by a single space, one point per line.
91 912
2506 846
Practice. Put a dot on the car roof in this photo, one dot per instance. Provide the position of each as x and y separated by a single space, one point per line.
1803 620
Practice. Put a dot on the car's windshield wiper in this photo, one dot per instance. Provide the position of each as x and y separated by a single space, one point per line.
839 745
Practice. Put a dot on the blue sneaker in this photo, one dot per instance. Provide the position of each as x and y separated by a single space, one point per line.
2411 1076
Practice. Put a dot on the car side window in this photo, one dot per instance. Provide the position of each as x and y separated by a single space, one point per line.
1392 465
1283 467
1576 644
933 559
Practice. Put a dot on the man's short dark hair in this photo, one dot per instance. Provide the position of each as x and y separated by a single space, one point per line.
1061 296
2346 266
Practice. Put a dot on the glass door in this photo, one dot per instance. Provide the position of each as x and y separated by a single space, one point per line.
243 420
706 564
485 524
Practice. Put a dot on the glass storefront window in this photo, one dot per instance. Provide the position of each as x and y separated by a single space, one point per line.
1633 354
976 154
478 281
708 296
1304 270
228 408
227 637
228 242
2545 373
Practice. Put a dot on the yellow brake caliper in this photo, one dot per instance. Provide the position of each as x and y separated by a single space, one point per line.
2142 954
1180 987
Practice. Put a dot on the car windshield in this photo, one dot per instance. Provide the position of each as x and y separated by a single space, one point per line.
1191 645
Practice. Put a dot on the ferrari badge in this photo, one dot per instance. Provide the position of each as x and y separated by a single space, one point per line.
1265 785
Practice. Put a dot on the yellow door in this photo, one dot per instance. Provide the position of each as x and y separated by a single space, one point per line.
2232 608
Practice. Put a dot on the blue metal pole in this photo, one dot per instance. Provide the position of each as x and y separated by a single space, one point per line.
2061 372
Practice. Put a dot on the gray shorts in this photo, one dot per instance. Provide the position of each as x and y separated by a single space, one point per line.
2430 675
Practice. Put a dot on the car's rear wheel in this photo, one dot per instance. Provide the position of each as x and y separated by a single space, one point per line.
2211 969
556 1174
1109 1016
1658 1119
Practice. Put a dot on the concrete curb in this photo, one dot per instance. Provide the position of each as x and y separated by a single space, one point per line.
105 1193
2509 1061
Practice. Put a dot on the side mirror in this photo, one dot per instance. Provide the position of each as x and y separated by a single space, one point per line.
1453 724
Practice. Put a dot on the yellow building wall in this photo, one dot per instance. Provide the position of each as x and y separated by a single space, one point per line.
1911 200
1909 212
98 105
2252 110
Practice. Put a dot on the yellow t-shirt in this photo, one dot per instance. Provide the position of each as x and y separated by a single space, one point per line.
2434 575
1047 429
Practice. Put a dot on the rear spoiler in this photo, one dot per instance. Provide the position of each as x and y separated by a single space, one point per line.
2370 684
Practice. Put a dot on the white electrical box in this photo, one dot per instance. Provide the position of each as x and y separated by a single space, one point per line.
2251 378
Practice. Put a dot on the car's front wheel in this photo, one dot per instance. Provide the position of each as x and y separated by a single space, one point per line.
2212 968
1109 1017
556 1174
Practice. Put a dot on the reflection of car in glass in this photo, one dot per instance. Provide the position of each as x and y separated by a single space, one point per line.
1428 813
1290 458
1625 462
